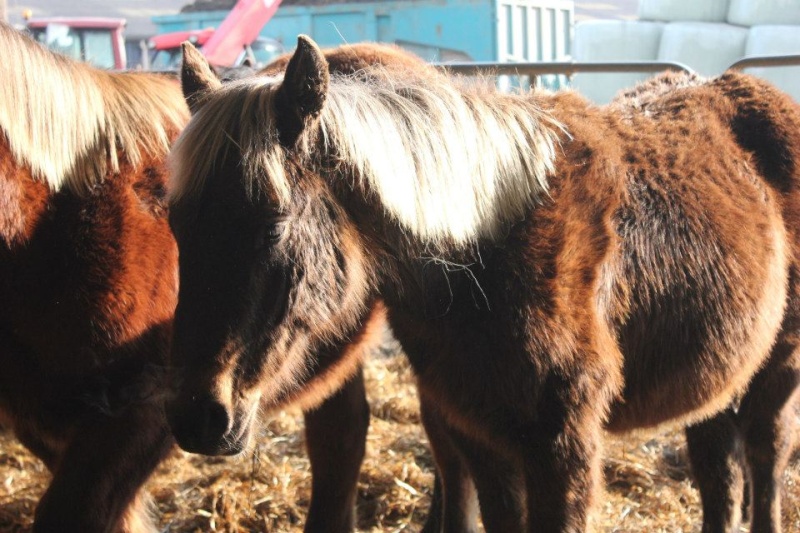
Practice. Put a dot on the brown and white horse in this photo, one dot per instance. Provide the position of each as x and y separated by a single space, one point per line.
88 278
551 268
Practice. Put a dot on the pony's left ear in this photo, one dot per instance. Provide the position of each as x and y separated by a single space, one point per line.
196 76
302 95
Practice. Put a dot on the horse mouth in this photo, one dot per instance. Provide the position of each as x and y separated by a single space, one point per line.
228 447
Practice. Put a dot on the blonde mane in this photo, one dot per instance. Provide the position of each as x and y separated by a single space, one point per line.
68 122
449 163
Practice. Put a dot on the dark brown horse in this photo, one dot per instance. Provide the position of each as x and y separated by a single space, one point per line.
336 429
551 268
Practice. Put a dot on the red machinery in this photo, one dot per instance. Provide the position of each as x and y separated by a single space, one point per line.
236 38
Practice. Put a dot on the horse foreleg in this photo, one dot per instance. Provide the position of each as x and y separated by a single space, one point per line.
501 488
336 434
765 415
102 469
454 505
138 516
562 471
717 457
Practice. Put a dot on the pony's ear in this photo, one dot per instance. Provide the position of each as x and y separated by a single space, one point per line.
196 76
302 95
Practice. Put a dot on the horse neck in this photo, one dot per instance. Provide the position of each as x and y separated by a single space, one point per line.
410 272
429 170
449 163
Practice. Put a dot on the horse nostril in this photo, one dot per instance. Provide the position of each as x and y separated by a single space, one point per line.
215 421
200 425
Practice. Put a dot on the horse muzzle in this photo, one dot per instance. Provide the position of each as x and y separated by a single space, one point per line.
202 424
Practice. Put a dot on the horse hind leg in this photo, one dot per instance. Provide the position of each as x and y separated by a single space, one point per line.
766 420
717 457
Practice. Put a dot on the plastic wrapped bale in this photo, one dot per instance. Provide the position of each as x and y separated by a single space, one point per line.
686 10
613 40
776 40
707 47
764 12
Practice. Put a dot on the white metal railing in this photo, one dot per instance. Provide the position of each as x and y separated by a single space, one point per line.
534 70
766 61
567 68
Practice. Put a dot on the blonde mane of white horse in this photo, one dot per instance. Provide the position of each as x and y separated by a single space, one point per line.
449 163
68 122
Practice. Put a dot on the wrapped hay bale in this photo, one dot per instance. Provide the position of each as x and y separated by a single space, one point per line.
758 12
674 10
707 47
613 40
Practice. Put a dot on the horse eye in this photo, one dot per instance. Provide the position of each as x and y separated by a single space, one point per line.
272 233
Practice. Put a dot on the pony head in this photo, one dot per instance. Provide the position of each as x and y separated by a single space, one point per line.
271 267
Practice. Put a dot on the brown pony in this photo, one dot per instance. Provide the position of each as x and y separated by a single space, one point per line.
88 277
336 497
336 429
550 268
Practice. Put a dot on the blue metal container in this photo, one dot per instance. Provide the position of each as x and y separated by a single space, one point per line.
437 30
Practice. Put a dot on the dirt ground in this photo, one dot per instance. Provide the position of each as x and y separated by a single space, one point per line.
648 484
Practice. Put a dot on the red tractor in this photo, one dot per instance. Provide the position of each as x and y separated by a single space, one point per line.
99 41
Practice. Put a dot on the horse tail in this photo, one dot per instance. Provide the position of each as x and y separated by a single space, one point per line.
766 123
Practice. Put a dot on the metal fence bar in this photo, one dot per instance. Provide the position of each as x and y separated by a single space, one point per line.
563 67
766 61
569 68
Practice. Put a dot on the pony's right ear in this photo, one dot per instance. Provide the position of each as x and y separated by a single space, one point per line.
303 92
196 76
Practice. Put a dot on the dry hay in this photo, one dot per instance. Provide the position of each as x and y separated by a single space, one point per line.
648 486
